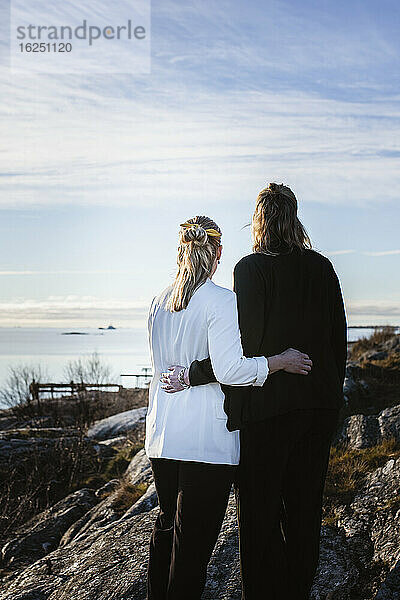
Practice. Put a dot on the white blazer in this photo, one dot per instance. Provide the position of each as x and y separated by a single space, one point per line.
191 425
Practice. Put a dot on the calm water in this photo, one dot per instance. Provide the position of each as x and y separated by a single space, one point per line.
125 350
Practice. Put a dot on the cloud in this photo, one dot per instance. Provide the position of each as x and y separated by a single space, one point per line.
80 310
382 253
220 143
368 253
339 252
374 308
208 120
62 272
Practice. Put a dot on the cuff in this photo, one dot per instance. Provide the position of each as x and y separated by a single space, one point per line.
262 371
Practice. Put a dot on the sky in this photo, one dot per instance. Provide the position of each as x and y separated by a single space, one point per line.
98 170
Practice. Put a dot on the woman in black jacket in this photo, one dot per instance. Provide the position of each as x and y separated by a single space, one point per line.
288 295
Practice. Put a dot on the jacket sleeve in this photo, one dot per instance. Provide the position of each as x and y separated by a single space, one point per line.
201 372
250 290
225 347
339 329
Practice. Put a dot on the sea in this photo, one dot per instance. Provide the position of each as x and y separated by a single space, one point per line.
125 350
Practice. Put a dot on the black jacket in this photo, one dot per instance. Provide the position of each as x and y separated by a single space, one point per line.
291 300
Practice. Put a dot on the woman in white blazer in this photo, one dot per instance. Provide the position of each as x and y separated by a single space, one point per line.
193 455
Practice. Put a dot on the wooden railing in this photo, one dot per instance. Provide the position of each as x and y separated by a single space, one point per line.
36 389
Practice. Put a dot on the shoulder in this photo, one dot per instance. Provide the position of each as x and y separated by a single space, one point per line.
212 301
319 259
219 293
160 299
218 301
252 262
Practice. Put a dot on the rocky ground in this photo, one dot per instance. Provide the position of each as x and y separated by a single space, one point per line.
92 544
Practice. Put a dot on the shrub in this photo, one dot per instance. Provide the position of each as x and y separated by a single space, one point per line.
373 342
347 471
42 478
89 369
15 392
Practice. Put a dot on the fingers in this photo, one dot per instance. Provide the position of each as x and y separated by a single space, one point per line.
300 371
305 357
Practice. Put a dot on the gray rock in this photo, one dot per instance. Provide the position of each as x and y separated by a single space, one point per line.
107 557
108 488
365 431
107 511
139 469
110 563
145 503
43 533
100 516
393 343
337 574
118 424
359 431
390 588
389 423
374 355
107 564
29 433
14 449
353 371
351 390
372 522
117 442
223 574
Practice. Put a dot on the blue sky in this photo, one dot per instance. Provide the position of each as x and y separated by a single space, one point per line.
97 171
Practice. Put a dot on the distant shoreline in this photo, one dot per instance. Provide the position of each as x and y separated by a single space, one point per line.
94 327
371 326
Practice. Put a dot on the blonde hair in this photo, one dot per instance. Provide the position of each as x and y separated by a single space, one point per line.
199 239
276 228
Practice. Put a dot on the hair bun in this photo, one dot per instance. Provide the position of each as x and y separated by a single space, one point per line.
275 187
196 234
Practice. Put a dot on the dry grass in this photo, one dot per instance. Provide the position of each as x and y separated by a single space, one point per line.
113 469
373 342
41 479
127 494
391 363
76 411
118 464
347 471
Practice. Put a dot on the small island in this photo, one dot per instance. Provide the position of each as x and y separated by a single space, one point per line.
74 333
107 328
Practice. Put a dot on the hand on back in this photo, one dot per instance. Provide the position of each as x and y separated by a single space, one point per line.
296 362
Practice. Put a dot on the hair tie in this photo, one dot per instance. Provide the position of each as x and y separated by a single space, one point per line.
209 232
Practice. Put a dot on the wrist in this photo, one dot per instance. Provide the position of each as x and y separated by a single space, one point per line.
186 376
275 363
181 378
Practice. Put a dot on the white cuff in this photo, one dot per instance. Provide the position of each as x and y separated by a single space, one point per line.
262 371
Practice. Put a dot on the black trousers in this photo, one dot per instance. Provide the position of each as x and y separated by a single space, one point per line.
193 497
281 479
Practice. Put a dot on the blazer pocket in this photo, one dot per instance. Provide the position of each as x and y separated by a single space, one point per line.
219 410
